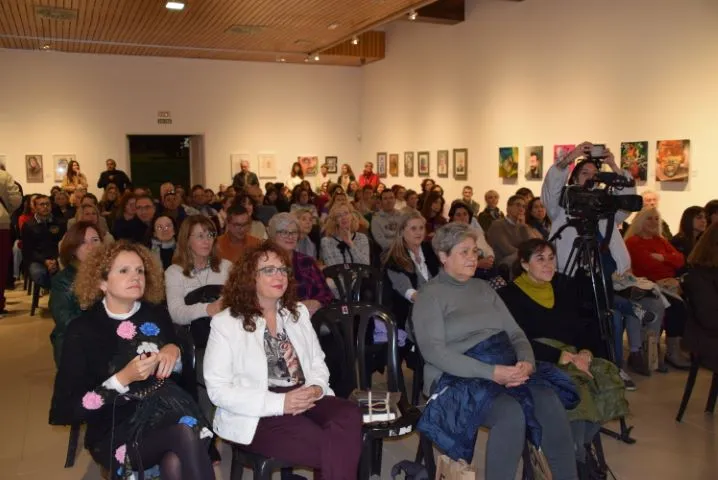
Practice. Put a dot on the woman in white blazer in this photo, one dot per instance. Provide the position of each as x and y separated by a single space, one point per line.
265 372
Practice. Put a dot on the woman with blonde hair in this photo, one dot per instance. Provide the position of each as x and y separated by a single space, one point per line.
110 197
266 374
305 244
73 178
194 289
342 242
116 371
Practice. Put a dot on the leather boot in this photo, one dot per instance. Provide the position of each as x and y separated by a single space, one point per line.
637 362
674 356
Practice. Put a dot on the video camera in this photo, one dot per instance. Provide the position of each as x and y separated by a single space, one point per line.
589 202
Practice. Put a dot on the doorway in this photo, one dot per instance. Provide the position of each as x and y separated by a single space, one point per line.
156 159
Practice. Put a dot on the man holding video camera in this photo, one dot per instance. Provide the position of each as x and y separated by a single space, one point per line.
615 258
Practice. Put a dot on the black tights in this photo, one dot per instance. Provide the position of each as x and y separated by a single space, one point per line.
178 451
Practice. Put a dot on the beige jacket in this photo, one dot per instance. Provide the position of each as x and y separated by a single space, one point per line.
11 198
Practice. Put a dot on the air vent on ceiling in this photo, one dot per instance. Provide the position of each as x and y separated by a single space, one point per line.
54 13
245 29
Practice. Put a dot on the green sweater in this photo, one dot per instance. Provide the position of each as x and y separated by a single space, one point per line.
63 307
451 316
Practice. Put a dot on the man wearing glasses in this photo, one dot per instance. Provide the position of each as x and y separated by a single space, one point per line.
232 244
40 238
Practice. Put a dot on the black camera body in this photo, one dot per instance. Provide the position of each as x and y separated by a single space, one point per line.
590 202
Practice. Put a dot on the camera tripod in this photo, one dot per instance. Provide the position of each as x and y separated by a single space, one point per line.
585 259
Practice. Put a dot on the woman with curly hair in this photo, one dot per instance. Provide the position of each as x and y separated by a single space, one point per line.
265 372
116 371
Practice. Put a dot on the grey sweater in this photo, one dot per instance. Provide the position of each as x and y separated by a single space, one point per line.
451 316
505 236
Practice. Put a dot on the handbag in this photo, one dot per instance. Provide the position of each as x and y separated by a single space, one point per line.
448 469
539 463
200 327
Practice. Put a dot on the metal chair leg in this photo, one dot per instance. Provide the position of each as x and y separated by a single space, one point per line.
690 383
712 395
35 298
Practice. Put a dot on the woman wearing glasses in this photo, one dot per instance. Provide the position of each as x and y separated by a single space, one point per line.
194 284
266 374
162 242
312 289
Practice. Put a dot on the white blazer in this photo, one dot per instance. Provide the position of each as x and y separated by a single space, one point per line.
237 377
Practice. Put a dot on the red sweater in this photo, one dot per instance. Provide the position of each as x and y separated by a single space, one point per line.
644 265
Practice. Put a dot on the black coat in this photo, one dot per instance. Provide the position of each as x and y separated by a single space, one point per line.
40 240
118 177
701 332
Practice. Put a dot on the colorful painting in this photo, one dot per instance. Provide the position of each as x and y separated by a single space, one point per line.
442 163
461 164
60 163
394 164
408 164
331 163
533 163
673 160
381 164
634 158
560 151
424 168
309 165
34 169
508 162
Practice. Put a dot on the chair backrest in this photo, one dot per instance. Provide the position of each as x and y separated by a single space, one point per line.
349 323
356 282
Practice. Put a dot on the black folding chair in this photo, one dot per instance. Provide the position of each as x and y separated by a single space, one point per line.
349 324
356 282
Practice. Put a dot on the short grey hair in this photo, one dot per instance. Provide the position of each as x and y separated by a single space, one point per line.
450 235
281 221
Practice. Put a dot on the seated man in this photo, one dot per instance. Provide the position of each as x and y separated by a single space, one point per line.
40 238
263 212
232 244
506 234
384 223
199 202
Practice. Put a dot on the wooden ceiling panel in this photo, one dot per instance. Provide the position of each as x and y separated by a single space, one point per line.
274 29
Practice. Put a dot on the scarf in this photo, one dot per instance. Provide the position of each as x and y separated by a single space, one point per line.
541 293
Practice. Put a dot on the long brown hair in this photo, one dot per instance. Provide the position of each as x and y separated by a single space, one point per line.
73 239
183 253
397 251
705 253
240 291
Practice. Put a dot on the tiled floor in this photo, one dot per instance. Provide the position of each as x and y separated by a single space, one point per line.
32 450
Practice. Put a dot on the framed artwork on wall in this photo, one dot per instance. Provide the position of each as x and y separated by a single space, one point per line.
423 159
394 164
534 163
508 162
634 158
381 164
33 168
331 163
559 151
461 164
60 163
408 164
309 165
673 160
236 159
267 165
442 163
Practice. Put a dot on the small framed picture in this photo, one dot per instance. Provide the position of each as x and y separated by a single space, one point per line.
442 163
394 164
408 164
60 163
423 158
381 164
331 163
461 164
34 169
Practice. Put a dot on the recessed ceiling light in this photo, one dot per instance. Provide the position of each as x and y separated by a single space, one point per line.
175 5
333 26
316 58
413 15
355 41
46 46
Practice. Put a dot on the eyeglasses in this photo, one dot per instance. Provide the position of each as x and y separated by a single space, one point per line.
287 233
204 236
163 228
42 204
271 271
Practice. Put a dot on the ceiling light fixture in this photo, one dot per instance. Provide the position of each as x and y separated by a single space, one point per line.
46 46
413 15
316 58
355 41
333 26
175 5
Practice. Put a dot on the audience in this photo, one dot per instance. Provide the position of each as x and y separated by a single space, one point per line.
507 233
307 232
368 178
711 209
537 218
433 212
426 187
163 241
73 178
108 203
693 224
40 238
346 177
266 374
384 222
342 243
651 200
244 177
491 212
118 178
296 176
467 196
10 201
253 206
61 206
236 240
126 225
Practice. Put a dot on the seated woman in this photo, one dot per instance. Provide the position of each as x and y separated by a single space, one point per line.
308 231
545 306
107 204
342 243
266 374
537 218
312 288
301 199
653 257
433 213
479 364
701 289
126 225
116 367
258 229
693 224
77 243
163 242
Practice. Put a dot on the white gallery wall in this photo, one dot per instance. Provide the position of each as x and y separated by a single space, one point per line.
545 72
55 103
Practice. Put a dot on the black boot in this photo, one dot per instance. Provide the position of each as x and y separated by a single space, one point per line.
637 362
583 472
595 470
